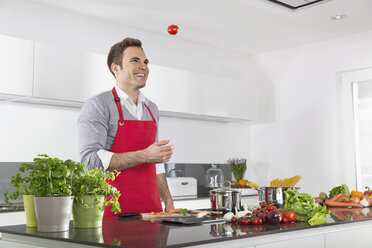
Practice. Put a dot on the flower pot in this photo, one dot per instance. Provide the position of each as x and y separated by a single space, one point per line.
91 216
53 213
29 205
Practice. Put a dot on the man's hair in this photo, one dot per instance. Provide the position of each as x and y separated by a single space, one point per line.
116 52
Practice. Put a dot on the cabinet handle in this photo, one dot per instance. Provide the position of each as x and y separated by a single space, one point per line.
184 183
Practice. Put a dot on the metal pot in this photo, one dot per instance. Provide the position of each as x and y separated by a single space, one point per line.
273 194
225 199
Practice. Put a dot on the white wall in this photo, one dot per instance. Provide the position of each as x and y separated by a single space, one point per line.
305 137
52 130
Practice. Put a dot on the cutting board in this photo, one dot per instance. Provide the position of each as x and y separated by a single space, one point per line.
149 216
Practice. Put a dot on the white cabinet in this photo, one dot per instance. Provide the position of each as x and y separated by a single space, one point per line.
187 94
174 90
57 75
360 237
16 66
308 242
68 74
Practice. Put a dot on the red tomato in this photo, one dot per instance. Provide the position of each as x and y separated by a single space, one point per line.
284 220
260 221
173 29
263 204
271 208
266 211
291 216
234 220
256 210
281 214
244 221
255 222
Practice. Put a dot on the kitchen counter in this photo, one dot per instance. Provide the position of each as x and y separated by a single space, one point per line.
134 232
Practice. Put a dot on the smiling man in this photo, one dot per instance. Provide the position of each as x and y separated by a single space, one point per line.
118 130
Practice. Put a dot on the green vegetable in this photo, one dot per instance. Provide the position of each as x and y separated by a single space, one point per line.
342 189
183 212
317 218
302 204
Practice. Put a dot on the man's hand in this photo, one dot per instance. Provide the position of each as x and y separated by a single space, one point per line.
168 206
158 152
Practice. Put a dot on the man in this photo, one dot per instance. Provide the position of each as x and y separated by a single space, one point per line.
118 131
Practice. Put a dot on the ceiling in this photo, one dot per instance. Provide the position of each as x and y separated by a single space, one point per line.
244 26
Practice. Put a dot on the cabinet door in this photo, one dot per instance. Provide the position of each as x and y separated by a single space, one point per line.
174 90
16 66
355 237
191 94
68 74
307 242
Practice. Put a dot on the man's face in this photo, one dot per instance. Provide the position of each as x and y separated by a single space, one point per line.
134 71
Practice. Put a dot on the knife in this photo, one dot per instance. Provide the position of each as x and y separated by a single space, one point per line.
128 214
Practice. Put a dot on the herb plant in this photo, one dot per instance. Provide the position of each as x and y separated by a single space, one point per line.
93 183
52 176
44 177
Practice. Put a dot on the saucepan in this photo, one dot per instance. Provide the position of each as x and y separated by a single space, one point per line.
274 194
225 199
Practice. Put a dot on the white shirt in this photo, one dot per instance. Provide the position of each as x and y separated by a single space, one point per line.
136 111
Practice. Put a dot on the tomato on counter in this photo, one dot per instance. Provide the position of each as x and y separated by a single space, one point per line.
291 216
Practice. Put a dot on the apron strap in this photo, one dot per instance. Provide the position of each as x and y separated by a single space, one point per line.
150 113
118 104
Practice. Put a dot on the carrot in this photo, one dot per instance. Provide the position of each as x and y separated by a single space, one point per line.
175 210
342 204
336 197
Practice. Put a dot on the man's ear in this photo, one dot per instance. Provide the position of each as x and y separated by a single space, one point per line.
115 68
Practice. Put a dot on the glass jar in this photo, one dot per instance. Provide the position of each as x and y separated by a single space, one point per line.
214 177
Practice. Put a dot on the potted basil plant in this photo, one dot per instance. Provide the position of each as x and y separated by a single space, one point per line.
91 194
51 180
23 187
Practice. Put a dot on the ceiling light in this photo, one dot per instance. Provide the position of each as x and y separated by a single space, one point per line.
338 17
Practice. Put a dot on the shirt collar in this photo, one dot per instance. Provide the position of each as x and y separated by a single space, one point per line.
124 96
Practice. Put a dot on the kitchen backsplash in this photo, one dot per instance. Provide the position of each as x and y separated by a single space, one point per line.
197 171
7 169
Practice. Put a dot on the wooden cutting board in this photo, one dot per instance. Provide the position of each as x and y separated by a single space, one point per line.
150 216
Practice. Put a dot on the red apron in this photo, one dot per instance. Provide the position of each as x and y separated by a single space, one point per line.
137 185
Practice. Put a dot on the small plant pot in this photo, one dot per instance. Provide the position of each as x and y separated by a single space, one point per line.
91 216
53 213
29 204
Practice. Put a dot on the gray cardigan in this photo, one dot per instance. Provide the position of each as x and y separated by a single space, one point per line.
98 124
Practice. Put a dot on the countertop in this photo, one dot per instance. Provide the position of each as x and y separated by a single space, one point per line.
135 232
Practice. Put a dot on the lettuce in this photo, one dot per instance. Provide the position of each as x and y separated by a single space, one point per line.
342 189
302 204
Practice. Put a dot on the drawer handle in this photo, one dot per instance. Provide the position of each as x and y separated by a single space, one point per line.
184 183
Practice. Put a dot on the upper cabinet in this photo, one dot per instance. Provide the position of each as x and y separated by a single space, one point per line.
58 75
188 94
16 66
68 74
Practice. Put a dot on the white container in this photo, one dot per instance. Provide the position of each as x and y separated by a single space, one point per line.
182 187
53 213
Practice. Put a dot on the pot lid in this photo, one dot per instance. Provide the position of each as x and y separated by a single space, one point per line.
224 190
